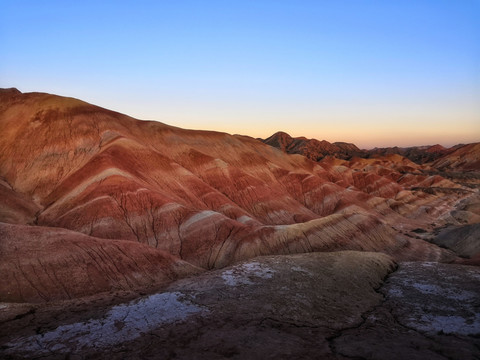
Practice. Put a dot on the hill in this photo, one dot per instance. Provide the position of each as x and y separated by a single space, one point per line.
189 200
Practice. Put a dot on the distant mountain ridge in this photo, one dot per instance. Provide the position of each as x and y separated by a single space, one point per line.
418 154
316 150
312 148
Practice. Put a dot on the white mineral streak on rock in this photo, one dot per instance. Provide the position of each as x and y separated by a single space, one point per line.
244 219
242 274
198 217
434 297
302 270
449 324
122 323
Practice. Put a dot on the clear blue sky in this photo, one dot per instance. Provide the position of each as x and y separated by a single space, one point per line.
375 73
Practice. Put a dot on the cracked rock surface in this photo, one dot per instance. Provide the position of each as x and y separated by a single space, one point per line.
430 311
317 305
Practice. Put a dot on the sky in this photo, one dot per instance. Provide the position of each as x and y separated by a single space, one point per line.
375 73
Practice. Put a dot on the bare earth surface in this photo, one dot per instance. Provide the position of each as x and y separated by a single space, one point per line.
429 311
318 305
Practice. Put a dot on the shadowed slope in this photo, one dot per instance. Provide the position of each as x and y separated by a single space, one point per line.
16 208
40 264
465 158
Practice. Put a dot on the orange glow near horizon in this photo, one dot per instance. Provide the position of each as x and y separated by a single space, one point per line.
365 127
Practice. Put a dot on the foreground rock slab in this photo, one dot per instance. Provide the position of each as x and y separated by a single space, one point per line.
269 305
317 305
430 311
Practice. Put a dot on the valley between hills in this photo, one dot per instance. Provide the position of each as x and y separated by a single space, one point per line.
138 239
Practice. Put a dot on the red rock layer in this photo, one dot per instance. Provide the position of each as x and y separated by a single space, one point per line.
465 158
41 264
